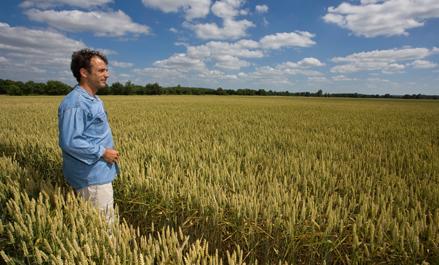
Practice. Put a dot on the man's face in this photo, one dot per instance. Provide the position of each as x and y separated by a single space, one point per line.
98 75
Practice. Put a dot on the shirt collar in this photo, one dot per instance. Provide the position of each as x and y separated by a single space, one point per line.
85 94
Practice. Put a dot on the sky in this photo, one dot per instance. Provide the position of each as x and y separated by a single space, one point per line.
351 46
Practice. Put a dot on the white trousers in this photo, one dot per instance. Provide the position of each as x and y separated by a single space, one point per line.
101 197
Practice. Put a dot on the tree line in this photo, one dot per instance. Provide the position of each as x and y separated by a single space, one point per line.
53 87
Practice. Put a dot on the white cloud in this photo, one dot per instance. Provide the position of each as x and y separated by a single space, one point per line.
232 56
230 62
216 63
163 76
386 55
26 41
75 3
121 64
283 74
393 68
227 9
101 23
244 12
342 78
265 22
261 9
231 29
266 75
423 64
378 80
318 78
386 61
223 55
247 44
214 49
300 68
172 77
192 8
374 18
366 2
182 63
287 39
310 62
36 54
3 60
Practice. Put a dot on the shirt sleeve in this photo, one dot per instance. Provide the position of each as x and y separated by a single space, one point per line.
72 138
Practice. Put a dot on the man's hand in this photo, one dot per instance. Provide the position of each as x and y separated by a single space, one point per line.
110 155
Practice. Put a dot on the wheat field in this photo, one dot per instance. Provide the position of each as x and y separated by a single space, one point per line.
230 180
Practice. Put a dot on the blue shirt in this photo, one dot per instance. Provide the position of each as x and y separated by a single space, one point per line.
84 133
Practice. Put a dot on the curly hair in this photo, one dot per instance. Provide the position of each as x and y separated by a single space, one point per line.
81 59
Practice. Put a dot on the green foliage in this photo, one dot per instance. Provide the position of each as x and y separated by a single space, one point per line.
14 90
152 89
117 88
32 88
57 88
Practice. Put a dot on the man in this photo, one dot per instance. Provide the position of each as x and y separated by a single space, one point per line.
85 138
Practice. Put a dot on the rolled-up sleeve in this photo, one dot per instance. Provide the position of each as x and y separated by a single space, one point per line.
72 138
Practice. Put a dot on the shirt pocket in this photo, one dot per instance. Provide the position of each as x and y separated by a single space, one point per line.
100 124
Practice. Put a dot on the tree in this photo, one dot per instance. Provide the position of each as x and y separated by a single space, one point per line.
319 93
220 91
14 90
128 89
57 88
104 91
261 92
28 87
39 88
153 89
11 87
116 88
4 84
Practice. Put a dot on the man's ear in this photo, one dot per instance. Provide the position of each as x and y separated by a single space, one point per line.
83 72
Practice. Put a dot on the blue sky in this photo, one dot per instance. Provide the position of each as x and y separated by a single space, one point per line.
367 46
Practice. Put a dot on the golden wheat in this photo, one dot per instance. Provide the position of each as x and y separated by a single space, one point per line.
260 179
